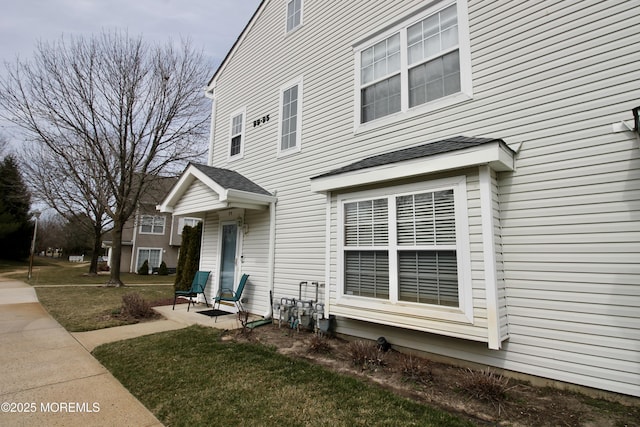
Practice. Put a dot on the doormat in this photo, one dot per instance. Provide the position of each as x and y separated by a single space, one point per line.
214 313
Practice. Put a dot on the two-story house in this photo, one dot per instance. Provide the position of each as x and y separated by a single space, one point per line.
150 235
463 176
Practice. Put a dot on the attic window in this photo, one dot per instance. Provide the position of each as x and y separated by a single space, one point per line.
294 14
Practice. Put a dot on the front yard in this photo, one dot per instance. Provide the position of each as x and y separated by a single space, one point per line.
273 376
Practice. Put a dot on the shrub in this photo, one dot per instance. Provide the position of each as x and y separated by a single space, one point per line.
319 344
133 305
189 257
144 268
162 270
415 369
366 355
485 385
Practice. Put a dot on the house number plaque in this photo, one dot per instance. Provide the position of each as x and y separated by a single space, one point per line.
263 119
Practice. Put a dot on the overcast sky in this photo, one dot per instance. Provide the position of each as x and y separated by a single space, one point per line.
212 25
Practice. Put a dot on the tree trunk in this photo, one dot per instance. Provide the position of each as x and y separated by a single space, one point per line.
97 247
116 253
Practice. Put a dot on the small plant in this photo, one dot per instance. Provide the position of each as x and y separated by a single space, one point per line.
243 318
319 344
162 270
485 385
415 369
135 306
144 269
366 355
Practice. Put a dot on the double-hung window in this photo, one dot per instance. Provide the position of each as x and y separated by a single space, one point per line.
416 65
294 14
152 224
406 246
236 141
290 117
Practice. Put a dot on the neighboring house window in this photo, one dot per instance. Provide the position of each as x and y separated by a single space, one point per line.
153 256
190 222
294 14
291 117
416 64
236 143
404 246
152 224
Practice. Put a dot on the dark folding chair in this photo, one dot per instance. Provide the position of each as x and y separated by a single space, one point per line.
229 295
198 285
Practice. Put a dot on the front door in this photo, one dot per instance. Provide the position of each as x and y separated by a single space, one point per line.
228 255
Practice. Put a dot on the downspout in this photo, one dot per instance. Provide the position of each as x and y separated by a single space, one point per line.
211 95
327 256
272 256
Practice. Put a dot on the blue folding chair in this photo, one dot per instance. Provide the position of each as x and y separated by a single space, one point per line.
229 295
198 285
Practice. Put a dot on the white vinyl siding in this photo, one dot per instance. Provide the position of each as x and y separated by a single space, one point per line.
547 78
198 198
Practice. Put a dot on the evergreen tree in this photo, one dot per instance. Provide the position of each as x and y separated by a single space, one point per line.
189 259
15 226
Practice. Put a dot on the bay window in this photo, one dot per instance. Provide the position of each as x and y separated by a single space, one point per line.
407 246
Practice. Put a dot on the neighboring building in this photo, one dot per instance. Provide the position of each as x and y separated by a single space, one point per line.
149 235
464 177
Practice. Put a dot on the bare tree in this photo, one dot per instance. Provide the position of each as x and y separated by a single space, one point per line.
114 112
70 194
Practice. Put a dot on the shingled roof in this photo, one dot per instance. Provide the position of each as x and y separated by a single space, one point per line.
229 179
439 147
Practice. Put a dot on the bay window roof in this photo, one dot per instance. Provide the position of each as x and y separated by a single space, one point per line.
447 154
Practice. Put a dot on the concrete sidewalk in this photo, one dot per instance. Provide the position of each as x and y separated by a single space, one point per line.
49 378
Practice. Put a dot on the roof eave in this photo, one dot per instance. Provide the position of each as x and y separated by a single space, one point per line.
495 154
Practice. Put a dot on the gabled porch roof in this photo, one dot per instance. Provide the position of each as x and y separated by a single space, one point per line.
203 188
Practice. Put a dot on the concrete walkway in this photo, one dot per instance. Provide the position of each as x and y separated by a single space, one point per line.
48 378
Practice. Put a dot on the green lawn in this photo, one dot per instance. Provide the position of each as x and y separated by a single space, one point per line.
80 302
56 272
85 308
191 377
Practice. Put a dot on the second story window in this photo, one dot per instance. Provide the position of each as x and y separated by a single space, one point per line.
236 143
291 117
294 14
416 65
187 222
150 224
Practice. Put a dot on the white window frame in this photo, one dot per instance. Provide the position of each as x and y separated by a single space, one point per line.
288 30
296 148
394 306
240 112
151 267
466 87
155 219
182 221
